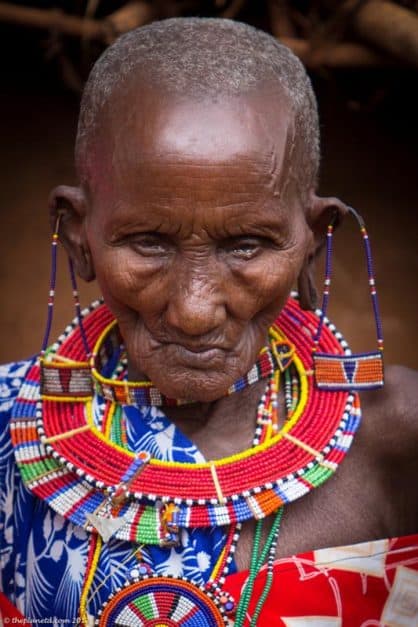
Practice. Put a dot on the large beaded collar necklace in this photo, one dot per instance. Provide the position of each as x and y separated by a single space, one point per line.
58 444
69 460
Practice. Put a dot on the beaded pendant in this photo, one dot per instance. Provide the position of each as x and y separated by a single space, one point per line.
359 371
165 602
363 371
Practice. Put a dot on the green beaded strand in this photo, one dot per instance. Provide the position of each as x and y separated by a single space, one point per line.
245 598
262 599
255 566
269 579
117 426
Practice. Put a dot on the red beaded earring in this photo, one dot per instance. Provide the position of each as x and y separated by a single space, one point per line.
359 371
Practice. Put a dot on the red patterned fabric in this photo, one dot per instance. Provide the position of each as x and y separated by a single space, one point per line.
372 584
362 585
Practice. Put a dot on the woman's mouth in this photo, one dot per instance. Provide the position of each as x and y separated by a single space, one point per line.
198 356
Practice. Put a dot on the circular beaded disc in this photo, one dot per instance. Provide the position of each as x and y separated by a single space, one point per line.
162 602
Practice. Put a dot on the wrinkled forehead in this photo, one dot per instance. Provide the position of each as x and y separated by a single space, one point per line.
144 128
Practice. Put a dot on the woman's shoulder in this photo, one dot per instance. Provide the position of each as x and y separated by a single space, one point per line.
399 395
391 414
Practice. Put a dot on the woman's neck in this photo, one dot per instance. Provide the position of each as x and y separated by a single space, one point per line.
223 427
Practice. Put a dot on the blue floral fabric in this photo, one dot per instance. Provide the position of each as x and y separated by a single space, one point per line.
43 556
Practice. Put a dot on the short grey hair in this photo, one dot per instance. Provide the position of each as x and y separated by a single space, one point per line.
203 57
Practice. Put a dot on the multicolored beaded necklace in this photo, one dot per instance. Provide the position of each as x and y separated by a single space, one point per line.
69 461
172 601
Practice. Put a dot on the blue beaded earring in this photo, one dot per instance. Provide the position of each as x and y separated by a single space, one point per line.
359 371
57 379
51 293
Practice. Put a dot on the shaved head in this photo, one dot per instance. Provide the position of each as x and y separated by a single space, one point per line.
202 59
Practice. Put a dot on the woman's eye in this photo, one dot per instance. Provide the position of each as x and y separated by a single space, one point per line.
245 248
149 244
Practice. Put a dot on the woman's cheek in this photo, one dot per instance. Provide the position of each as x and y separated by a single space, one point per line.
123 272
265 282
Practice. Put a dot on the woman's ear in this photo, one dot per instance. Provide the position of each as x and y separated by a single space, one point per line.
319 214
69 205
308 295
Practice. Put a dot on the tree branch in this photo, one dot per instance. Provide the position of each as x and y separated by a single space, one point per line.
390 27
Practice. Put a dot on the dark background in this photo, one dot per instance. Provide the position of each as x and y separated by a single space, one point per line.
369 140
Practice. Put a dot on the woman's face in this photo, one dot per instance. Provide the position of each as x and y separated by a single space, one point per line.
195 240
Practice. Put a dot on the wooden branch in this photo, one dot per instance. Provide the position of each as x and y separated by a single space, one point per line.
131 15
280 21
336 24
69 73
91 8
390 27
233 9
346 55
136 13
301 21
53 19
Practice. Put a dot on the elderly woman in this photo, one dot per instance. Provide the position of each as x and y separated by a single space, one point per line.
152 454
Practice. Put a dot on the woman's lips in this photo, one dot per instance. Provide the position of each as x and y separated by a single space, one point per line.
198 357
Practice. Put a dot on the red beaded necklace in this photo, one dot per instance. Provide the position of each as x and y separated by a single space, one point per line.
64 443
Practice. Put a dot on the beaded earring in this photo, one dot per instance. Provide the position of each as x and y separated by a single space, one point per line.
358 371
51 293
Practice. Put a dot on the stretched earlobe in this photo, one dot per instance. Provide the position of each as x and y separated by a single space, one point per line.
319 214
70 205
308 295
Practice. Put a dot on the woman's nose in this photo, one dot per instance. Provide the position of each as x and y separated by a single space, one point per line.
196 305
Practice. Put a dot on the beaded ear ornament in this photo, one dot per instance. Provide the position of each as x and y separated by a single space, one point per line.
358 371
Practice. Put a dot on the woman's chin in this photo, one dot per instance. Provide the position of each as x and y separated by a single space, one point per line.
193 385
200 376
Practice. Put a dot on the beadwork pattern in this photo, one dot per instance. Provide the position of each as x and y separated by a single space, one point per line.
65 460
360 371
164 602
